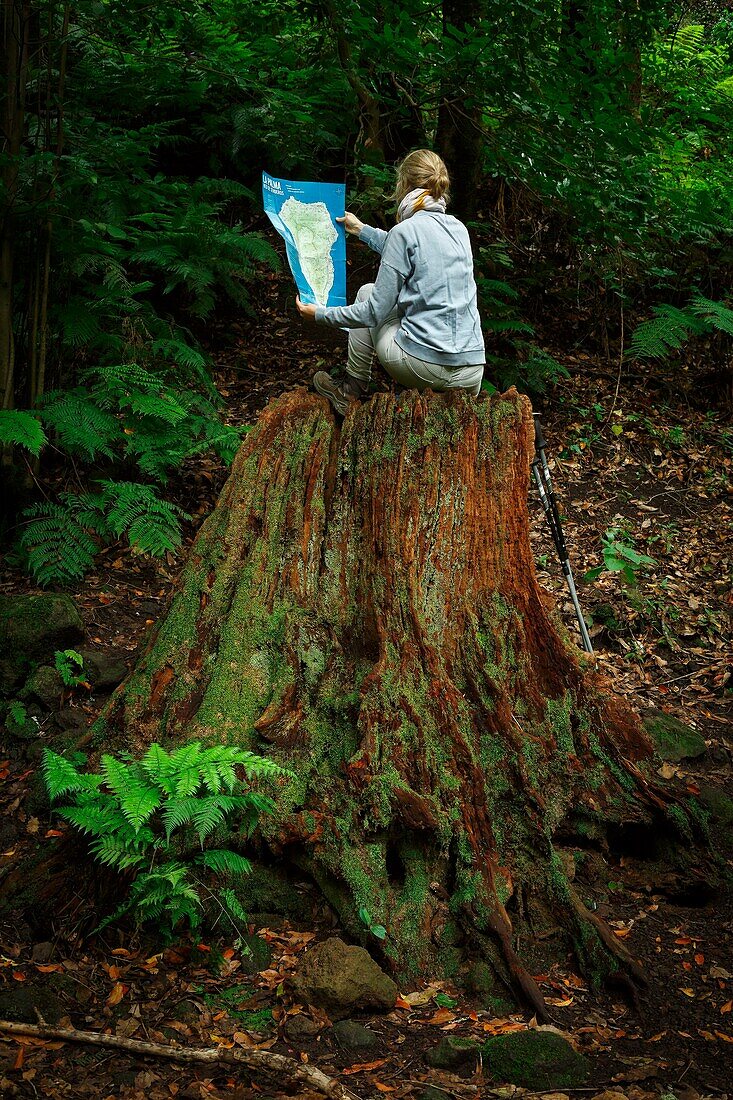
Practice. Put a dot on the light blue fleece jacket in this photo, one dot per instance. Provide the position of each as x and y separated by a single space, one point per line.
427 273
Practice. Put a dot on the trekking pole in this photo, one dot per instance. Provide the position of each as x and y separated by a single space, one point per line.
541 471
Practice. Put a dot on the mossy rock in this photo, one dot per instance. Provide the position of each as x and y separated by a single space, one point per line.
23 1003
258 955
452 1053
673 740
718 804
267 890
343 979
32 628
535 1060
44 685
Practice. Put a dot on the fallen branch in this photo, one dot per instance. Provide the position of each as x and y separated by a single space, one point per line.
276 1065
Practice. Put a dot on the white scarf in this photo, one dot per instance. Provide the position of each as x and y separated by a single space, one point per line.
419 199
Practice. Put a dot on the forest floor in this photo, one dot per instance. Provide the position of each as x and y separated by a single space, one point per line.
637 452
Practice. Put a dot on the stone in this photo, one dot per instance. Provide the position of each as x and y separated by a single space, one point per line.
452 1053
535 1060
23 1003
255 956
42 952
343 979
299 1029
352 1036
186 1012
44 685
673 740
432 1093
718 804
71 721
103 671
266 889
32 628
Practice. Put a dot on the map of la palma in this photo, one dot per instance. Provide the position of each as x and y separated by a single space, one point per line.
305 215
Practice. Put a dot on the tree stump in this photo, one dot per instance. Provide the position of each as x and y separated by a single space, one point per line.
362 604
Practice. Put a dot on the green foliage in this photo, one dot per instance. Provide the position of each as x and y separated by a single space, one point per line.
70 666
22 429
149 817
619 556
59 541
18 721
377 930
671 327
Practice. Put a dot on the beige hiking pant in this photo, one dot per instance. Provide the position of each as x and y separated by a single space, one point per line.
407 370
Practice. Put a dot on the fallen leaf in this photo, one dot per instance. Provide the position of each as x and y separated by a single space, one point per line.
363 1067
726 1007
118 992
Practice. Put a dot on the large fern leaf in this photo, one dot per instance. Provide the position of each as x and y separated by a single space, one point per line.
22 429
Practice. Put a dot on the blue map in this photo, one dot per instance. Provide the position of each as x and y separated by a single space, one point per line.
305 215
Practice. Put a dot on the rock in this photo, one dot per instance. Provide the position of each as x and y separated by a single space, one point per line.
610 1094
42 952
186 1012
32 628
299 1029
44 685
71 721
481 981
102 671
343 979
673 740
268 890
718 804
452 1053
535 1060
21 1002
351 1036
431 1093
258 956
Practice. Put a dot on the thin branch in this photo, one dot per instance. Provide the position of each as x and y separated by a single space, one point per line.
263 1061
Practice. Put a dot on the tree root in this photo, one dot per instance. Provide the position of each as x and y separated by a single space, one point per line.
263 1061
611 942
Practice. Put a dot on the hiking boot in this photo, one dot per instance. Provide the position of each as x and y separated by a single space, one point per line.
341 391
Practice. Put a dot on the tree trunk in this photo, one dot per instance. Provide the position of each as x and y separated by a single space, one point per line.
459 136
362 604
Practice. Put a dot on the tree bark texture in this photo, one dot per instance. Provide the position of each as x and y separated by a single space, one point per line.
362 604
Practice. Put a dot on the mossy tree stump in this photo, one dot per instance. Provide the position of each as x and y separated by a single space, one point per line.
362 604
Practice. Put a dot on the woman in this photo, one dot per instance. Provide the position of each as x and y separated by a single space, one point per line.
420 316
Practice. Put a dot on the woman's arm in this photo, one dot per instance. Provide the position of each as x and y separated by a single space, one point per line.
371 312
375 238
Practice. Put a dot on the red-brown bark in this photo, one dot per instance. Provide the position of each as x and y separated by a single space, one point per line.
363 605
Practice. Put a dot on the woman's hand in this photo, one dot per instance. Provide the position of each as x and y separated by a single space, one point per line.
351 223
306 311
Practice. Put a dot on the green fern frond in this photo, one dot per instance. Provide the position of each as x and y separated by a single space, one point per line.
22 429
232 903
57 548
717 314
79 424
666 331
152 525
224 861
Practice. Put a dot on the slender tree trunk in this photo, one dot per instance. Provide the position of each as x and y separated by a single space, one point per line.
459 135
362 604
15 36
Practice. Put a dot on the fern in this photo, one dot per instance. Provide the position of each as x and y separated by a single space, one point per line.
671 327
56 547
80 425
152 525
131 808
22 429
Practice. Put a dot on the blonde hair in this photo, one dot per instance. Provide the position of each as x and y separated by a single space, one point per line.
422 168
